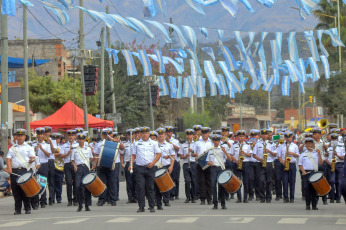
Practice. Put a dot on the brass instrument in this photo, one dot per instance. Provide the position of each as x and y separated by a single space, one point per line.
333 163
241 158
195 137
265 155
323 123
59 162
287 159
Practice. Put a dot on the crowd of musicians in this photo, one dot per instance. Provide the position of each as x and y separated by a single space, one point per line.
266 167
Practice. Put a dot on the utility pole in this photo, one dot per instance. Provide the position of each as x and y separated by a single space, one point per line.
82 48
339 32
26 75
110 66
4 83
299 112
269 108
151 108
102 73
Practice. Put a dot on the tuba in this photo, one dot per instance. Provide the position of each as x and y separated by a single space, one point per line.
59 162
265 155
241 158
287 159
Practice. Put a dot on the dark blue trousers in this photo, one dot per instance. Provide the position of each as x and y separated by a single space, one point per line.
190 177
58 179
289 179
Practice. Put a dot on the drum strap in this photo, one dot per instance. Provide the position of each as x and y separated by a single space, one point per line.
217 157
83 157
312 161
20 158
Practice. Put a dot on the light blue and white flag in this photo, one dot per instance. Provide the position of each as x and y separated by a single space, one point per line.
193 70
249 63
204 31
301 67
163 6
124 22
178 67
58 10
210 72
267 3
231 64
190 34
251 38
200 86
173 86
237 86
248 5
307 5
262 73
242 81
27 3
220 34
334 37
285 87
209 51
8 7
225 70
114 53
273 45
149 8
180 87
292 47
163 86
293 71
143 57
196 7
204 80
160 60
195 59
278 38
192 85
240 43
206 2
261 54
314 69
180 62
183 42
162 29
325 66
131 68
230 6
223 87
142 27
260 44
180 52
213 90
270 83
186 91
323 50
309 36
95 15
301 87
276 75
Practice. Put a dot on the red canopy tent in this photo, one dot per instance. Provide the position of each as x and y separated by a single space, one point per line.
70 116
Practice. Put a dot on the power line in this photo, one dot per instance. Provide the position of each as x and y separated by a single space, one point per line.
58 22
42 24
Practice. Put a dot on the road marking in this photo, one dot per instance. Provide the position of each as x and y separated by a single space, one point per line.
240 220
121 220
75 221
15 223
341 221
292 220
187 220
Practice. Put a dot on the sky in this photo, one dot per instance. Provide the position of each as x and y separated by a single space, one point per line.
280 18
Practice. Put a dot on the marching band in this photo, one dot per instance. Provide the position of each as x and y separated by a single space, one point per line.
252 165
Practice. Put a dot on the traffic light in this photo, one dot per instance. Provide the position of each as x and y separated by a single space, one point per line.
310 99
155 95
91 74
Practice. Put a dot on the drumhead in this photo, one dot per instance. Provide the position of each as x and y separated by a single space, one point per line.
160 172
315 176
225 176
88 178
24 178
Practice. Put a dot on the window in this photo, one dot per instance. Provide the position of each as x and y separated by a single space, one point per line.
19 124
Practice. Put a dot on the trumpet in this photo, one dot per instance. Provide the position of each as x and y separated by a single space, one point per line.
265 155
241 158
287 159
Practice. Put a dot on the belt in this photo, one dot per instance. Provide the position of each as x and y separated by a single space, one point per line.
19 168
339 162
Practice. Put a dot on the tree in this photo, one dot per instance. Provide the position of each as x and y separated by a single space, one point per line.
47 96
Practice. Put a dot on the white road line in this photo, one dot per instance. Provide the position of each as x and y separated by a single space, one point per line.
15 223
292 220
240 220
75 221
121 220
341 221
186 220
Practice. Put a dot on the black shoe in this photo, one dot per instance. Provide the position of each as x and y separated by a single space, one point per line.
286 200
250 198
152 210
129 202
167 204
193 201
79 208
202 202
50 203
314 208
87 209
177 197
187 201
69 203
159 208
325 202
277 198
35 207
100 203
141 210
117 199
171 198
43 206
331 201
114 203
232 196
75 203
258 199
17 213
59 201
238 201
291 201
262 201
215 207
227 198
210 202
134 201
307 208
338 201
245 201
268 201
224 207
27 212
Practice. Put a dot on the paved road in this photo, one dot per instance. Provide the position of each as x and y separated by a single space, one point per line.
180 215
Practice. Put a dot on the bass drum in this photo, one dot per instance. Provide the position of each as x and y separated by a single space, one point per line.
108 154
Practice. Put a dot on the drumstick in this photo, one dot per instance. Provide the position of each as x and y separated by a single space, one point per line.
131 163
16 174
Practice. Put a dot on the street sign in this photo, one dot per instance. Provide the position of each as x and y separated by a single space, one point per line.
115 117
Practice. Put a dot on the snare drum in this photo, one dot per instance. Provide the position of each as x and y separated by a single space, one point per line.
229 181
93 183
202 160
108 154
163 180
28 184
320 183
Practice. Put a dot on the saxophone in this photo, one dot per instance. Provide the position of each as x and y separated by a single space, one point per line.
287 159
265 155
241 158
333 163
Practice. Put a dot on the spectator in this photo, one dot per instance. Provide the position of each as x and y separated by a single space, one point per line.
4 182
9 142
2 160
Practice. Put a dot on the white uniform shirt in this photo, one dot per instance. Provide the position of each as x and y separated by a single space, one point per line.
235 149
340 151
78 159
320 146
126 152
222 157
225 145
281 151
201 146
97 148
145 151
40 153
271 146
176 143
258 150
51 155
184 151
25 150
166 149
65 148
305 161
